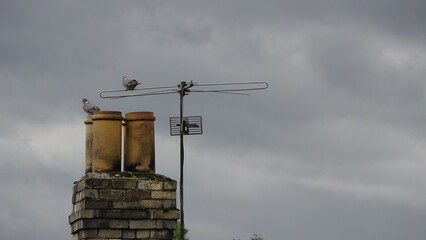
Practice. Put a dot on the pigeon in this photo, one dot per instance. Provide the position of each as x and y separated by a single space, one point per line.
88 107
129 84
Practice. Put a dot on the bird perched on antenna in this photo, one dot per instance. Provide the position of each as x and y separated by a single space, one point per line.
130 84
88 107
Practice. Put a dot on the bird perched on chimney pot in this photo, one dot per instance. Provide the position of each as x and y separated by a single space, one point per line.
88 107
130 84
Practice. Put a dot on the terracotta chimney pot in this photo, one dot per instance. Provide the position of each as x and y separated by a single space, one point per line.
139 142
107 141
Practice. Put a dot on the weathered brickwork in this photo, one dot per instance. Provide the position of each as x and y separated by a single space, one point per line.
123 205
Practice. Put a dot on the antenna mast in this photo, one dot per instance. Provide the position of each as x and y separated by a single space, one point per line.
238 88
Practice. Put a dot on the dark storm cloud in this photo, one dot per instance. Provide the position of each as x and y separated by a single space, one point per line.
335 145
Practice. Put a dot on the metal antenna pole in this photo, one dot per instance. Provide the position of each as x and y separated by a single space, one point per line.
182 92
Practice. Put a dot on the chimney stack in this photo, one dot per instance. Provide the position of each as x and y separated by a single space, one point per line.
135 204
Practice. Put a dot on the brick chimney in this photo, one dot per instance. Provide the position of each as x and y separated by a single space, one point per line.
135 204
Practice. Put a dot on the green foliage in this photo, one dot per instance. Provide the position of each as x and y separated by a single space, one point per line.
176 233
254 237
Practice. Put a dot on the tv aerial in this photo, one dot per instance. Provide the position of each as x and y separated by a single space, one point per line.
188 125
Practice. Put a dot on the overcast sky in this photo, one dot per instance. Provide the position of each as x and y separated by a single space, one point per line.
334 149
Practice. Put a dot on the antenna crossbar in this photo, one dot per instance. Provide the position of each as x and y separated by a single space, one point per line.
190 86
186 125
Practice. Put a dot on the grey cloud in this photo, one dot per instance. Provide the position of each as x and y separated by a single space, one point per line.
344 108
